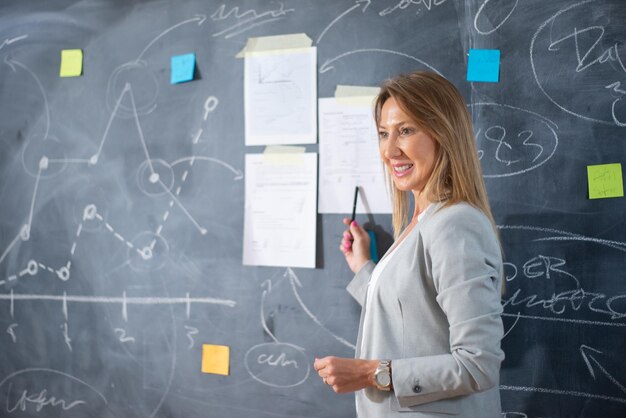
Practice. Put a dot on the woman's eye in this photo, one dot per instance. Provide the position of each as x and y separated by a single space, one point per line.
382 135
405 131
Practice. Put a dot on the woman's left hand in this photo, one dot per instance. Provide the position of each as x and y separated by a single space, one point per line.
346 374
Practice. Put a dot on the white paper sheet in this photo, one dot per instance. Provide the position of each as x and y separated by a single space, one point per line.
280 214
349 157
280 92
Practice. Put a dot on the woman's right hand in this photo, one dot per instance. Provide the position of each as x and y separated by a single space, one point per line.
355 245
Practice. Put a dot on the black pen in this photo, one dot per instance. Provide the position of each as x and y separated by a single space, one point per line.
356 195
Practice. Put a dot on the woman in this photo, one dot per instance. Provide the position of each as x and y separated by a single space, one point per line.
430 331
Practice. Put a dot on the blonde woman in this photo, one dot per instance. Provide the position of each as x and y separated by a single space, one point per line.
430 329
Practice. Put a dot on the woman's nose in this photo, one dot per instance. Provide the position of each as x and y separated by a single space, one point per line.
391 149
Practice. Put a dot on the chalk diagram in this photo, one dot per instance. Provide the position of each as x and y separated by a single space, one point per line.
131 94
279 363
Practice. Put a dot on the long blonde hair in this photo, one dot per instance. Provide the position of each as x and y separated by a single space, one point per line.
437 107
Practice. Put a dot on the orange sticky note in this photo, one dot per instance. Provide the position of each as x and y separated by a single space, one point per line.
215 359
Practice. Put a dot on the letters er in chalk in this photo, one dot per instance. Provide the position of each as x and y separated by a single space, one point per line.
430 329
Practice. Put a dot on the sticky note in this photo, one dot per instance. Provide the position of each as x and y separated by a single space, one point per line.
483 65
182 68
605 180
215 359
71 62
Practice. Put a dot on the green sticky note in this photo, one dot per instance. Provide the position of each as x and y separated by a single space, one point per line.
71 62
605 180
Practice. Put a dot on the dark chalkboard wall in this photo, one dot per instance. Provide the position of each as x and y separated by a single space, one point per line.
93 324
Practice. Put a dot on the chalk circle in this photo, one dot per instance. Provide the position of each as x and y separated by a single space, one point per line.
572 86
32 267
279 365
148 253
143 87
40 381
535 144
45 157
63 273
155 177
25 232
90 201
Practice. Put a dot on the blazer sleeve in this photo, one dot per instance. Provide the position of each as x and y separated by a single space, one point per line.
358 285
464 260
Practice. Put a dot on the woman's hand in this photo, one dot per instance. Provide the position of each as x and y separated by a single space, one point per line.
346 374
355 245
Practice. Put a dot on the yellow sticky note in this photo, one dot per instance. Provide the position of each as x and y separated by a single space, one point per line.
605 180
71 62
215 359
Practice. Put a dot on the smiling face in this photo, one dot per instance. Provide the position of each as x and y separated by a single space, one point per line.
408 152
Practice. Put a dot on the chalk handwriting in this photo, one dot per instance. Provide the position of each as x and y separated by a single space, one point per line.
279 365
497 134
191 331
280 360
18 398
121 335
403 4
574 298
246 20
39 401
11 332
500 134
591 48
531 145
593 54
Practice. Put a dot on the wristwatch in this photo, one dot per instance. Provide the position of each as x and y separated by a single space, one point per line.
382 375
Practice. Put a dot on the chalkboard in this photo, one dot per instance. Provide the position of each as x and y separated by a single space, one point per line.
110 286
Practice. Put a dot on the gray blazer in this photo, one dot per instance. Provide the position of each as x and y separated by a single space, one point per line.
436 314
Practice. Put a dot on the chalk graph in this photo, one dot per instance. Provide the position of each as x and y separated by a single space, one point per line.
45 157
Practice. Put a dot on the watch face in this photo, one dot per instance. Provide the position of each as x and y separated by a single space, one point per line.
383 379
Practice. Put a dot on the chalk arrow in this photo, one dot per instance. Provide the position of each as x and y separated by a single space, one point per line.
295 283
268 288
197 18
13 63
201 18
356 6
238 173
327 66
10 41
585 351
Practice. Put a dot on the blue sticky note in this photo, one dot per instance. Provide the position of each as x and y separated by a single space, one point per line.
483 65
182 68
